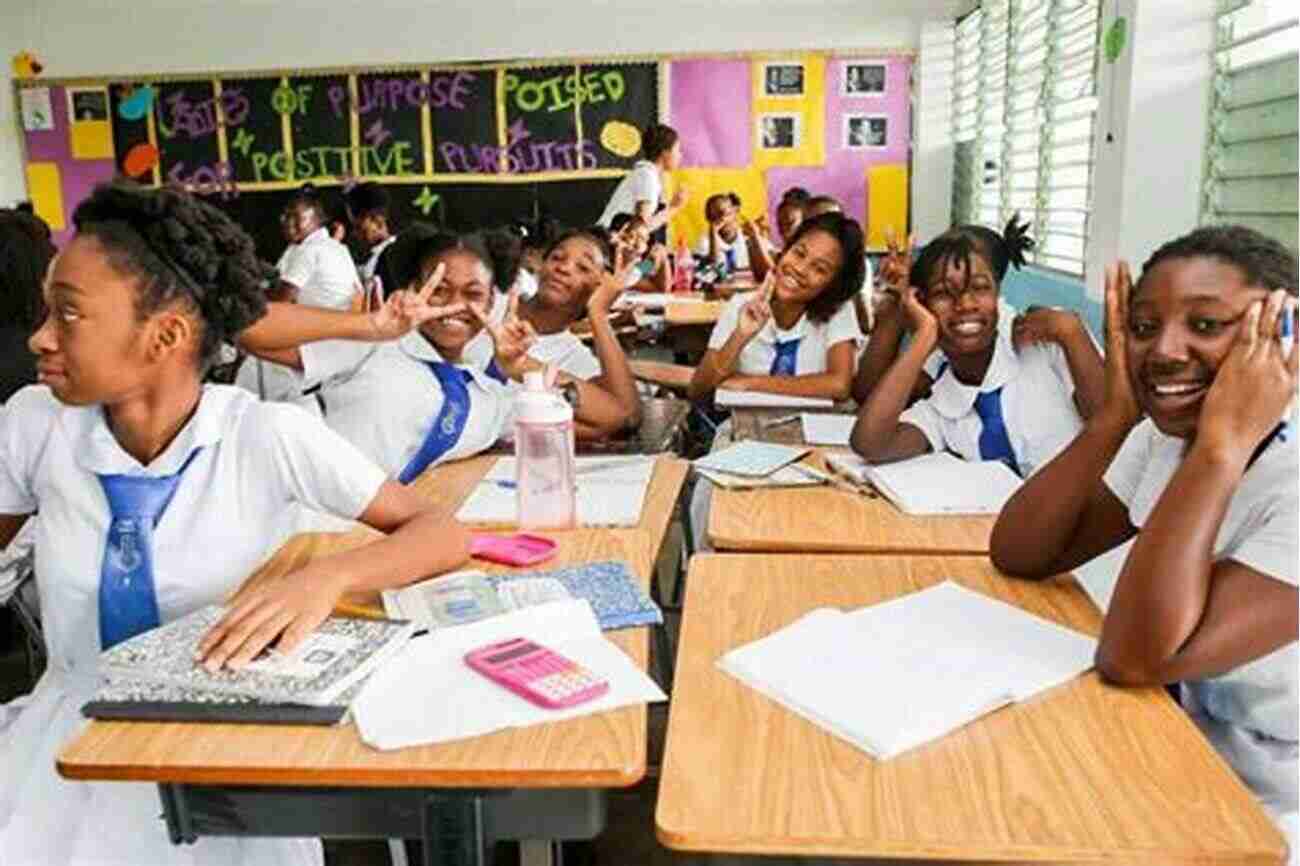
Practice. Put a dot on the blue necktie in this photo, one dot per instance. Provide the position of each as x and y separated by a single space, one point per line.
128 602
994 442
449 424
493 371
787 352
731 260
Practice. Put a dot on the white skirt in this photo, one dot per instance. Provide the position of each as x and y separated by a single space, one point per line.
46 820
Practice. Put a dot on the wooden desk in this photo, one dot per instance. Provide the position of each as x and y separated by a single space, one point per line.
679 314
311 781
1085 772
755 423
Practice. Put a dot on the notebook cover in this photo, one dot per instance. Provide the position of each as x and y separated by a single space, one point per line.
611 588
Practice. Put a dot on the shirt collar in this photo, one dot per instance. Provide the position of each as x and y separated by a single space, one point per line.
321 234
382 245
416 346
98 450
771 333
954 400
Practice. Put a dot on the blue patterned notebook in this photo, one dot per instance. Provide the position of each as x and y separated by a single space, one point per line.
611 588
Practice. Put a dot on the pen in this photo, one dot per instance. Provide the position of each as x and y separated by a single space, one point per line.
774 422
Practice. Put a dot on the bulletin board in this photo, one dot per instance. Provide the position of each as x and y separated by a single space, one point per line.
477 144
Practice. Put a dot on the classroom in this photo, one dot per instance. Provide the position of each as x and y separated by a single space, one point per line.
649 432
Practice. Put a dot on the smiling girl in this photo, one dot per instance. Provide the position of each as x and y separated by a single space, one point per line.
989 401
1205 485
159 495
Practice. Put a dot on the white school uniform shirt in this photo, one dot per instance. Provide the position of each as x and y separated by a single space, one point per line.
236 503
741 249
266 379
815 338
323 271
1038 407
366 269
642 183
384 399
1250 714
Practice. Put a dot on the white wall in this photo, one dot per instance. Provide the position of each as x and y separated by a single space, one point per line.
932 147
101 37
1147 180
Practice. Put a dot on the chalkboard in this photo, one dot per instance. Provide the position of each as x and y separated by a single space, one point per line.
322 141
464 114
392 132
541 119
186 117
130 105
620 100
256 146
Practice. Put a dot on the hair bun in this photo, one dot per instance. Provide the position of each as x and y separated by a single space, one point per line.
1016 239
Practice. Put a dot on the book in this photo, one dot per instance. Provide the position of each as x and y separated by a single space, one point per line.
934 484
338 655
893 676
1098 576
820 428
750 458
611 492
727 398
793 475
447 600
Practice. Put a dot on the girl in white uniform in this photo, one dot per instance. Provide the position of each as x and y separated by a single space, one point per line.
416 400
158 495
989 401
573 282
793 336
1205 486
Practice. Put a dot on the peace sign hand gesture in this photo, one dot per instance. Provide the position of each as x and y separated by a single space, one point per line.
611 286
406 310
896 267
757 310
513 337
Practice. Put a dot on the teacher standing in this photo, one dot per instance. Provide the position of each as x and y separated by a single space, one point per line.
641 192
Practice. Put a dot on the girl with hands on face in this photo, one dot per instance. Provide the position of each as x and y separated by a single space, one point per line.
1193 460
988 401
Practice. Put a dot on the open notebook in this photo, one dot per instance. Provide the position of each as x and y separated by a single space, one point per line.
890 677
611 492
820 428
725 397
934 483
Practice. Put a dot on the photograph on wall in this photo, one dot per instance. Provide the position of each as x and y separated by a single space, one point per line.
779 131
865 131
783 79
88 103
864 78
38 114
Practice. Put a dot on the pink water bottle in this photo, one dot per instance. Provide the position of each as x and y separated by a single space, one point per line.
545 484
683 269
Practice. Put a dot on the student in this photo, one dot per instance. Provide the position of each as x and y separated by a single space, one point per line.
139 301
796 334
573 282
650 269
864 300
724 243
1205 484
320 272
640 192
25 255
789 213
889 329
367 208
990 402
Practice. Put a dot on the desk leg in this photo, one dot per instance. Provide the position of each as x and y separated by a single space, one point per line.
180 825
540 852
452 830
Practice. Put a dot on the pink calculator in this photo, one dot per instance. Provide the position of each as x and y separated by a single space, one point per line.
536 673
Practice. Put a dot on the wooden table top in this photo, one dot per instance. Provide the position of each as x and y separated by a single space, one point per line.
449 484
1084 772
752 422
604 750
684 313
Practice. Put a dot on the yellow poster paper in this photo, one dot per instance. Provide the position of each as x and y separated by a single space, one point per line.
45 188
789 106
886 203
91 139
748 183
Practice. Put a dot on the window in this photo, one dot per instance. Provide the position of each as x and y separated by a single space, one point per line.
1250 166
1024 92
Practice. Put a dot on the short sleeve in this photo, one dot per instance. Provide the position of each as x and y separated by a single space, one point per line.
727 321
1270 545
300 266
645 186
26 424
315 466
923 417
582 363
843 325
327 359
1125 472
934 364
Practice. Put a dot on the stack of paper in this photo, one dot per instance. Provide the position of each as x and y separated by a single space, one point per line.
429 695
750 458
759 399
893 676
823 429
611 492
934 483
794 475
1099 576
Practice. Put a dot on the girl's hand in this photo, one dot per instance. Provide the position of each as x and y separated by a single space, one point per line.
679 198
512 338
288 608
611 286
1121 403
761 226
1044 325
1254 384
756 311
917 316
405 310
896 267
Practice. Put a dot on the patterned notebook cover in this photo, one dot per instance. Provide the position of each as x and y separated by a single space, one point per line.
339 654
751 458
610 587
